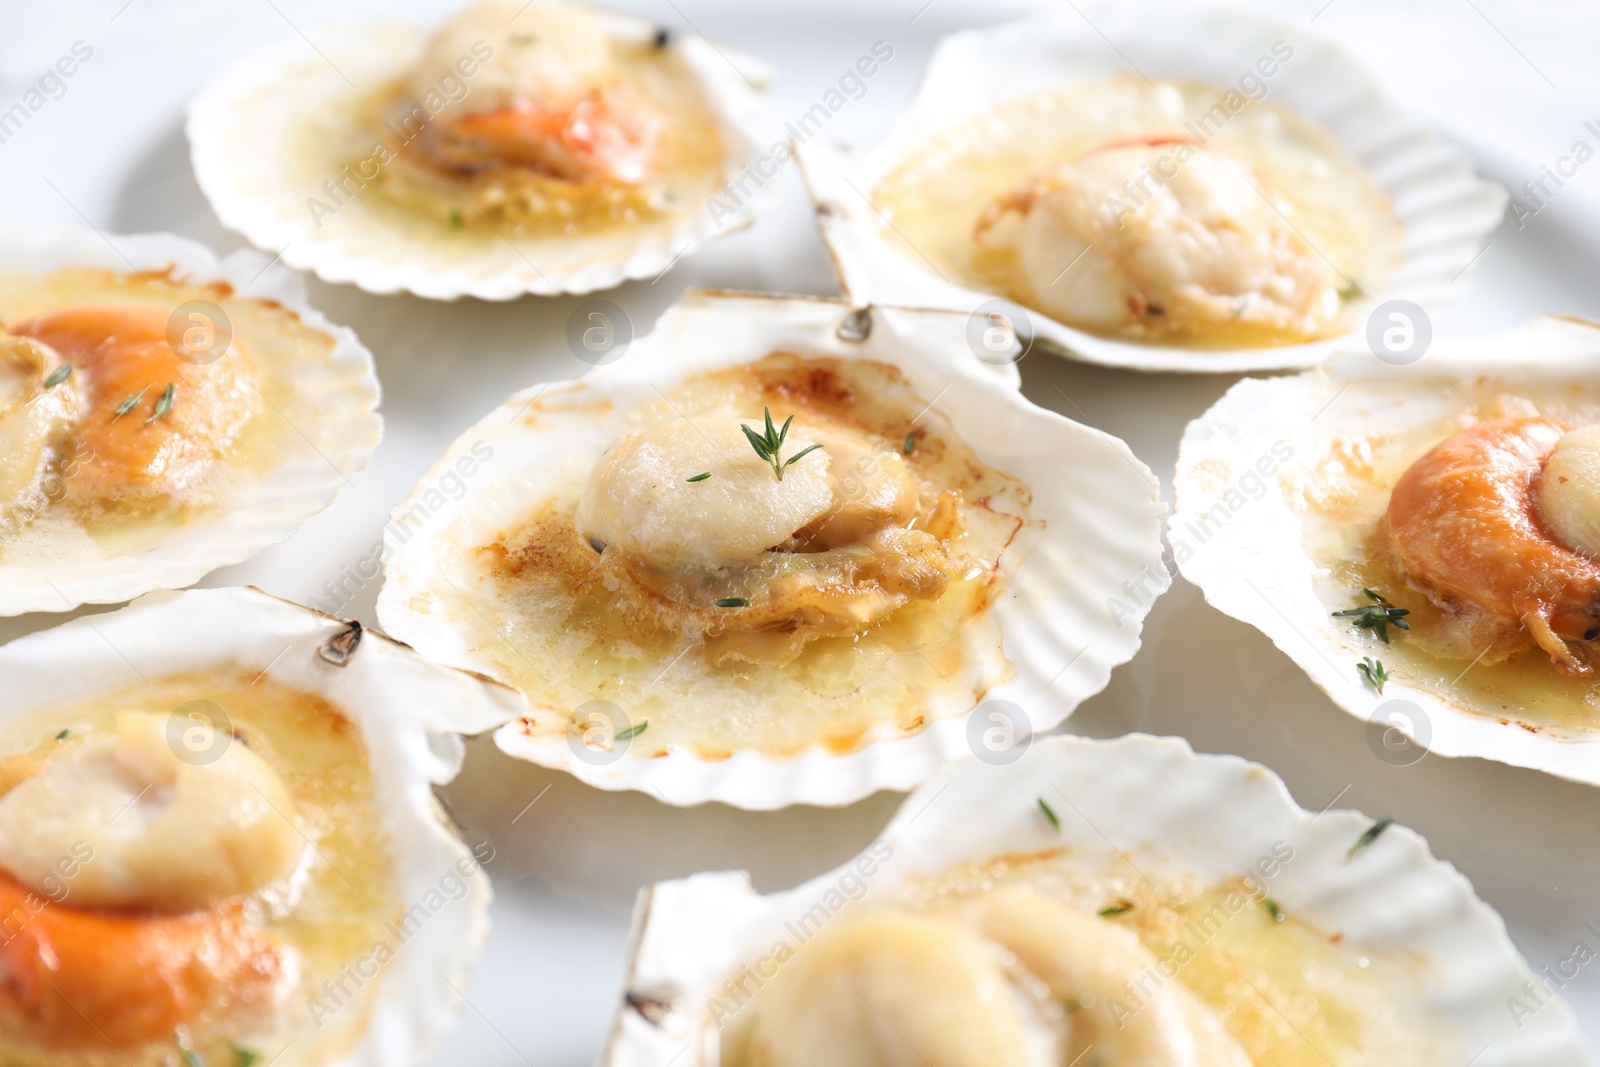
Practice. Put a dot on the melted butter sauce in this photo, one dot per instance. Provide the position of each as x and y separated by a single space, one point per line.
558 635
339 901
936 196
274 339
1291 994
1344 504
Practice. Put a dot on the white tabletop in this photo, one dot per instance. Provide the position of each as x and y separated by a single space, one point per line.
1512 83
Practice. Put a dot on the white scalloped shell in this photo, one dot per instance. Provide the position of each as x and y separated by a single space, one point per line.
1256 568
1444 207
1099 505
1179 815
409 711
334 411
248 128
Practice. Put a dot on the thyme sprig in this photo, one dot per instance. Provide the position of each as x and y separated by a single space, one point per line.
62 372
1376 616
1373 672
769 444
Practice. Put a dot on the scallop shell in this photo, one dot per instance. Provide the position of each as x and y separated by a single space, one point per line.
335 412
409 712
1256 566
1211 818
1099 506
248 132
1445 208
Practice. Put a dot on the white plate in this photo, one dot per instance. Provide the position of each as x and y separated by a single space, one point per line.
570 864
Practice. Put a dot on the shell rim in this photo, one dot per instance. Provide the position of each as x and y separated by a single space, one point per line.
689 934
250 278
861 260
749 779
415 1005
737 102
1455 732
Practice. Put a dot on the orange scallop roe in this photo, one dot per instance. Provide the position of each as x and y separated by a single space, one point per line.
76 980
605 136
1463 520
122 351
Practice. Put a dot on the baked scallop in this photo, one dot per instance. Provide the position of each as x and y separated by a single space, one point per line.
1423 540
1223 193
515 148
162 414
777 554
1062 910
219 842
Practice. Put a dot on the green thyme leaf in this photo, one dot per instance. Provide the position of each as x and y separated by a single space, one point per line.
632 731
734 602
798 456
59 375
1377 616
163 402
243 1057
910 444
191 1058
1353 291
62 736
1050 813
455 219
1373 671
129 403
763 449
1272 909
1371 834
1116 909
702 476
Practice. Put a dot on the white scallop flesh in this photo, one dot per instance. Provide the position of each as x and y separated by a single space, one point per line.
1109 240
1568 493
639 498
543 54
166 834
1092 963
1011 977
892 990
34 419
